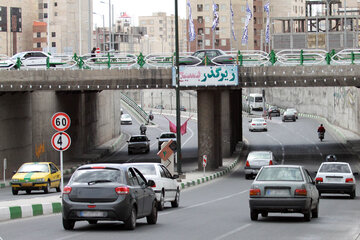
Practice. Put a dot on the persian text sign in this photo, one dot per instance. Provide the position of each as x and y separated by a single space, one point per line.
198 76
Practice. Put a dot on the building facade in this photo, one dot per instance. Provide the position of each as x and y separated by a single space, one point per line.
160 37
66 26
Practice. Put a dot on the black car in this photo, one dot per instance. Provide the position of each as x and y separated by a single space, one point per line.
112 192
274 111
213 56
138 143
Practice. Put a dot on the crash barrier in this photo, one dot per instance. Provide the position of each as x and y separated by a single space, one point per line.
134 106
243 58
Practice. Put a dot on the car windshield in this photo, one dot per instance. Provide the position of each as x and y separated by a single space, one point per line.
289 112
280 174
97 175
146 169
167 135
18 55
125 115
259 155
258 120
26 168
258 99
138 139
335 168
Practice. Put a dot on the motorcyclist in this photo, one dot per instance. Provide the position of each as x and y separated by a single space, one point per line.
143 129
321 132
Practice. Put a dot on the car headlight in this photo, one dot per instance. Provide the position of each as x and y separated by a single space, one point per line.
40 180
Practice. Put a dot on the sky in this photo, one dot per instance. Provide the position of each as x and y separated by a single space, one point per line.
135 8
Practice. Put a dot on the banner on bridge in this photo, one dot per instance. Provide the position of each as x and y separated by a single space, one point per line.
206 76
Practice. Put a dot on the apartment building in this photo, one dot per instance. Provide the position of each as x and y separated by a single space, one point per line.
160 36
50 25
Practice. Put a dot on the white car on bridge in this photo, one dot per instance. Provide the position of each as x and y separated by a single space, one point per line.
31 59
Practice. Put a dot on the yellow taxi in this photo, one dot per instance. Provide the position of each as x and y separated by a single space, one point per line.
36 176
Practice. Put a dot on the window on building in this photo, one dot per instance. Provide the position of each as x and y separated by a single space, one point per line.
216 42
254 8
255 43
55 14
45 5
254 20
53 34
207 31
200 19
207 7
207 42
223 42
55 4
200 43
38 34
53 44
255 31
207 19
160 28
45 15
200 31
160 21
199 7
38 45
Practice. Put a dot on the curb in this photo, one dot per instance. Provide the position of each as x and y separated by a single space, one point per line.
15 212
211 177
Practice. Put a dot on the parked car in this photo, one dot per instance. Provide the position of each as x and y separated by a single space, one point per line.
159 107
165 137
182 108
36 176
166 187
138 143
112 192
32 59
289 115
255 160
274 111
336 177
257 124
284 189
293 110
214 56
125 119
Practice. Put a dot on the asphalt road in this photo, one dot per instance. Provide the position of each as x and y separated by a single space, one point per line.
220 210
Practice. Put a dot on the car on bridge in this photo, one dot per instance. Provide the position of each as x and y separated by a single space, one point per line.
110 192
213 57
283 189
36 176
31 59
336 177
138 143
256 160
166 186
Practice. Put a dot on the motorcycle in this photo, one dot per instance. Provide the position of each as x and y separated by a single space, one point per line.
321 135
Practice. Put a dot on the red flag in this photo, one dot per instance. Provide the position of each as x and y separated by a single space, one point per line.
183 128
172 127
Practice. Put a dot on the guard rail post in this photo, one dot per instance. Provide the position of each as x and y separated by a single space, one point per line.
108 61
328 58
352 57
18 63
301 57
141 60
272 57
47 62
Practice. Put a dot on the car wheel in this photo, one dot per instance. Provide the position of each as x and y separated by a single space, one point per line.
315 212
152 218
92 221
47 188
130 223
176 201
254 215
68 224
264 214
247 176
28 191
265 129
353 194
307 215
161 203
14 191
294 120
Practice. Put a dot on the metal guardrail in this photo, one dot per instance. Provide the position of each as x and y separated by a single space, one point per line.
244 58
136 107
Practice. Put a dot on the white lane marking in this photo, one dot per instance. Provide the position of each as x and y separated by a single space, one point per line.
282 147
233 231
206 203
187 140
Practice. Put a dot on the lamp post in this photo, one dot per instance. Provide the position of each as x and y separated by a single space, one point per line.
103 30
177 87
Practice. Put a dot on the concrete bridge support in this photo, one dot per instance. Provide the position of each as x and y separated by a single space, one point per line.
219 125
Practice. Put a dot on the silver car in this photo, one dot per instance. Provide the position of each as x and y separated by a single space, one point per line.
284 189
257 124
138 143
165 137
289 115
125 119
257 159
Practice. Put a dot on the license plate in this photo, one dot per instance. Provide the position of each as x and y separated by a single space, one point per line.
26 184
331 179
278 192
92 214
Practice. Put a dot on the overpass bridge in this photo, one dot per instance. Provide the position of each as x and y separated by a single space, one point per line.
30 97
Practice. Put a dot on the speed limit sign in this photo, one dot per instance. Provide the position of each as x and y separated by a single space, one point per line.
60 121
61 141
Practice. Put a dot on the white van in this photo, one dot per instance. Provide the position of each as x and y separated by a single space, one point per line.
256 101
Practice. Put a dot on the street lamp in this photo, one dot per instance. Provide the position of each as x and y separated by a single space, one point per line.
103 29
110 29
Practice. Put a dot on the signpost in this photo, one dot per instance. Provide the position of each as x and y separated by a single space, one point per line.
204 162
5 166
61 141
167 156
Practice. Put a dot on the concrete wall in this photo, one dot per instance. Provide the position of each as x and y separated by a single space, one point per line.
26 131
338 104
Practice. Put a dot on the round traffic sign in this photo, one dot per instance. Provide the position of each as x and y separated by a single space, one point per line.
61 141
60 121
204 160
